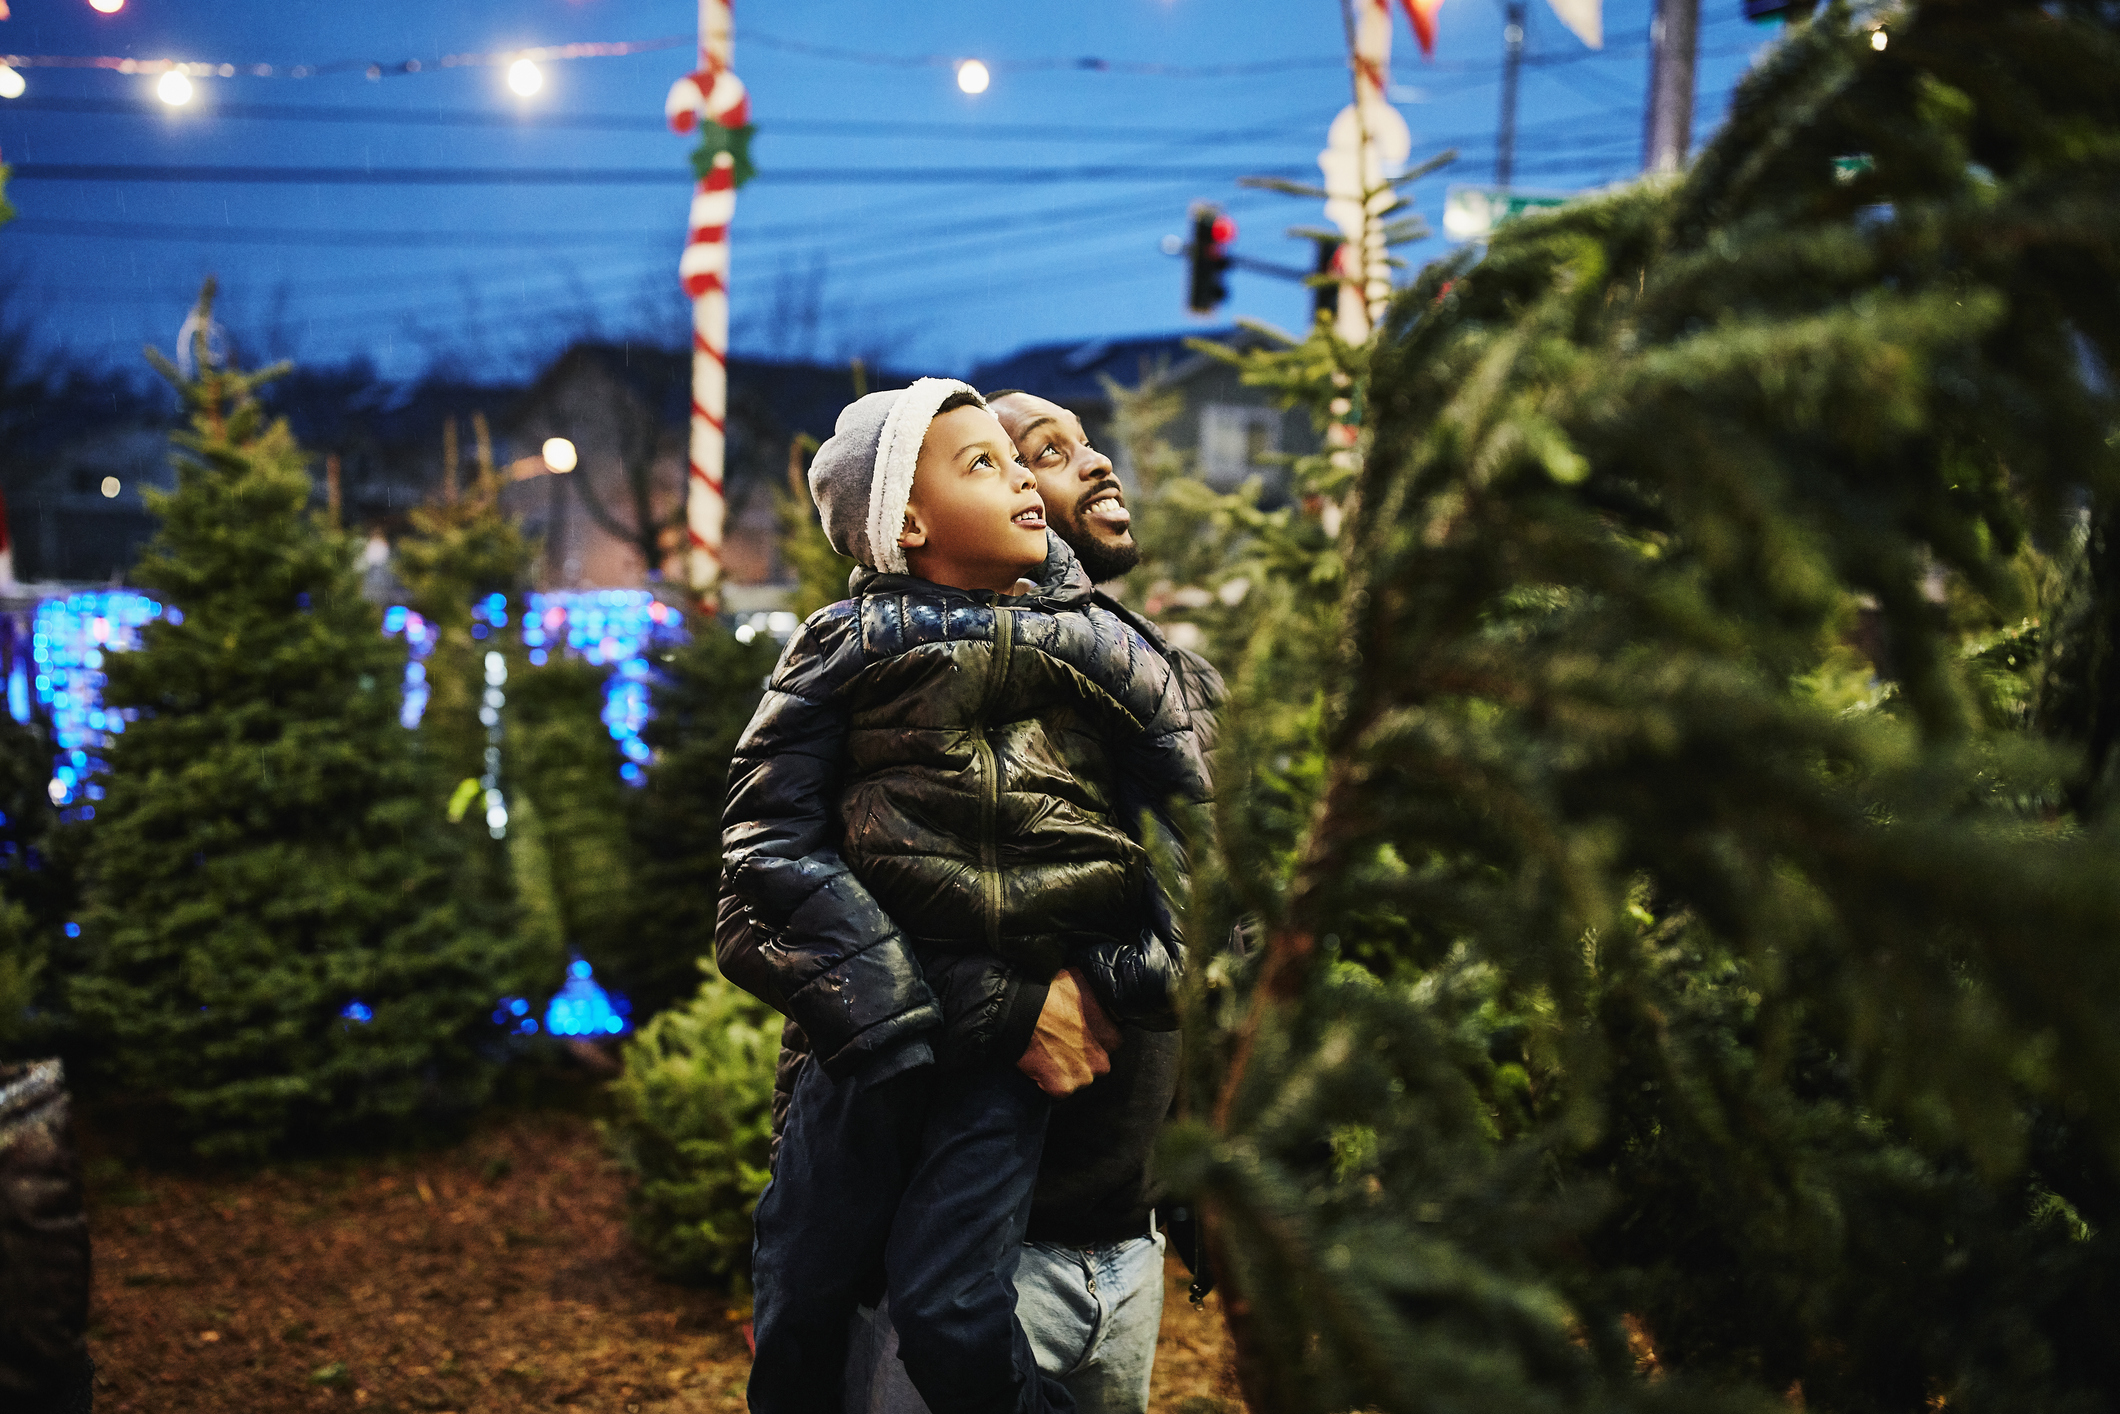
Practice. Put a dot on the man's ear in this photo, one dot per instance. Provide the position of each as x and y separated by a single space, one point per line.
914 535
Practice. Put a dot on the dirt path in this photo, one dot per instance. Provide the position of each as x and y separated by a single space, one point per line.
492 1276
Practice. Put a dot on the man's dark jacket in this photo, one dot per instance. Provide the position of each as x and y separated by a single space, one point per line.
934 809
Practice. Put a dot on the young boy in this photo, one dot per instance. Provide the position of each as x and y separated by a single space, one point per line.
930 816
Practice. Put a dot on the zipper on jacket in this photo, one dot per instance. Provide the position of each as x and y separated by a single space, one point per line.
990 785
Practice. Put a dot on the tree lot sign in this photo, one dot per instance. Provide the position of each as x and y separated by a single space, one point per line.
1472 213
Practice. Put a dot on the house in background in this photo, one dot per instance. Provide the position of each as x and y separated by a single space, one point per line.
617 517
1232 430
387 436
74 472
76 514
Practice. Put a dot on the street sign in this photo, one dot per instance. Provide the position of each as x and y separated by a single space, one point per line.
1472 213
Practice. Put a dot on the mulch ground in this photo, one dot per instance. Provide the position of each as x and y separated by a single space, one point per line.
492 1275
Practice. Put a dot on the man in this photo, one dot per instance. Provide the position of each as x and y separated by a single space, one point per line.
1089 1288
1086 506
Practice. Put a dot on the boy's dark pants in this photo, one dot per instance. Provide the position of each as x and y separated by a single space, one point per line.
925 1179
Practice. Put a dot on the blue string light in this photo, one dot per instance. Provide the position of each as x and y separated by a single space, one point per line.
513 1016
68 642
582 1008
614 628
618 628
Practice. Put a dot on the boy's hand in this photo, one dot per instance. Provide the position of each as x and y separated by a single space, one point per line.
1074 1040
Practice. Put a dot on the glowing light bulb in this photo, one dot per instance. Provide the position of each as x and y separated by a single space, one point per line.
174 89
1879 40
972 76
525 77
111 487
11 84
559 454
106 7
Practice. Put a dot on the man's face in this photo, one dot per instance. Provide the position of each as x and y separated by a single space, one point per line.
974 520
1084 502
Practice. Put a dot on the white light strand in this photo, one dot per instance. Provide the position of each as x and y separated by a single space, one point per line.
371 68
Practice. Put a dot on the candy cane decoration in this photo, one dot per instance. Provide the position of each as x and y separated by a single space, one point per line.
710 95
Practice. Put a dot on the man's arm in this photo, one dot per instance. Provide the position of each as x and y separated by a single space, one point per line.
813 940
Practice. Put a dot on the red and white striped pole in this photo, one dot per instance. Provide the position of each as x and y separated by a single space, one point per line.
711 94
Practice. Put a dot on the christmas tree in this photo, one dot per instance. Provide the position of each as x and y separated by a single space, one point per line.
702 694
39 896
1688 978
569 810
464 567
821 572
274 951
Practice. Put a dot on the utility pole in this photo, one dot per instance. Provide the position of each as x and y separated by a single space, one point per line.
1674 41
1512 63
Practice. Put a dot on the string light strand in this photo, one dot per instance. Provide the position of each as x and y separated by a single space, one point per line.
191 69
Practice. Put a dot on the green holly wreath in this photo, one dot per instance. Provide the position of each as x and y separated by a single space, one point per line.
714 139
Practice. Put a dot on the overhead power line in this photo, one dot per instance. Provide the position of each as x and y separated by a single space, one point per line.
298 235
1083 64
616 176
1049 216
1621 43
630 122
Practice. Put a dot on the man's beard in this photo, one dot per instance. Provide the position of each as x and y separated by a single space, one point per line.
1101 560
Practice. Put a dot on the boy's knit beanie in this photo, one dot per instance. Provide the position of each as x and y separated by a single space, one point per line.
862 477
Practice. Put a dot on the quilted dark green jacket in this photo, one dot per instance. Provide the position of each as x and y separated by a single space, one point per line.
935 808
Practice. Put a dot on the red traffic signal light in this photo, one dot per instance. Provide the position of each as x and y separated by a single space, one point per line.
1208 259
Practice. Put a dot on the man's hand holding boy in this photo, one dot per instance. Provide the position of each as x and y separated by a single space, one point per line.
1074 1040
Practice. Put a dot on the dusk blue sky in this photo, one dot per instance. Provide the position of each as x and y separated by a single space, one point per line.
488 279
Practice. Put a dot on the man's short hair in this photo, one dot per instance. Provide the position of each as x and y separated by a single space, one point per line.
1004 393
962 398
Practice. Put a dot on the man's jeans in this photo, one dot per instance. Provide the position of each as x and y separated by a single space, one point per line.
1092 1315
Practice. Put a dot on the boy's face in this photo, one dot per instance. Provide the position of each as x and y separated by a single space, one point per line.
974 520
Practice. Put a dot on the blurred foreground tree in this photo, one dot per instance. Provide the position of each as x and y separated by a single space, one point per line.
274 949
1734 906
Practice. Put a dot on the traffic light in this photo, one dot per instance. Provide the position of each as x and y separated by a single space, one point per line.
1208 259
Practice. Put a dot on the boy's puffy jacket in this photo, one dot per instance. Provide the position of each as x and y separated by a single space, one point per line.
929 815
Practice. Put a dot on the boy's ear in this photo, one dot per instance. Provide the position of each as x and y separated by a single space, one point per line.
914 535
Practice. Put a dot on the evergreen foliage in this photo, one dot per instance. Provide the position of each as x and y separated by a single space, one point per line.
702 696
694 1118
568 806
1734 1023
264 857
22 972
821 572
462 549
40 894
